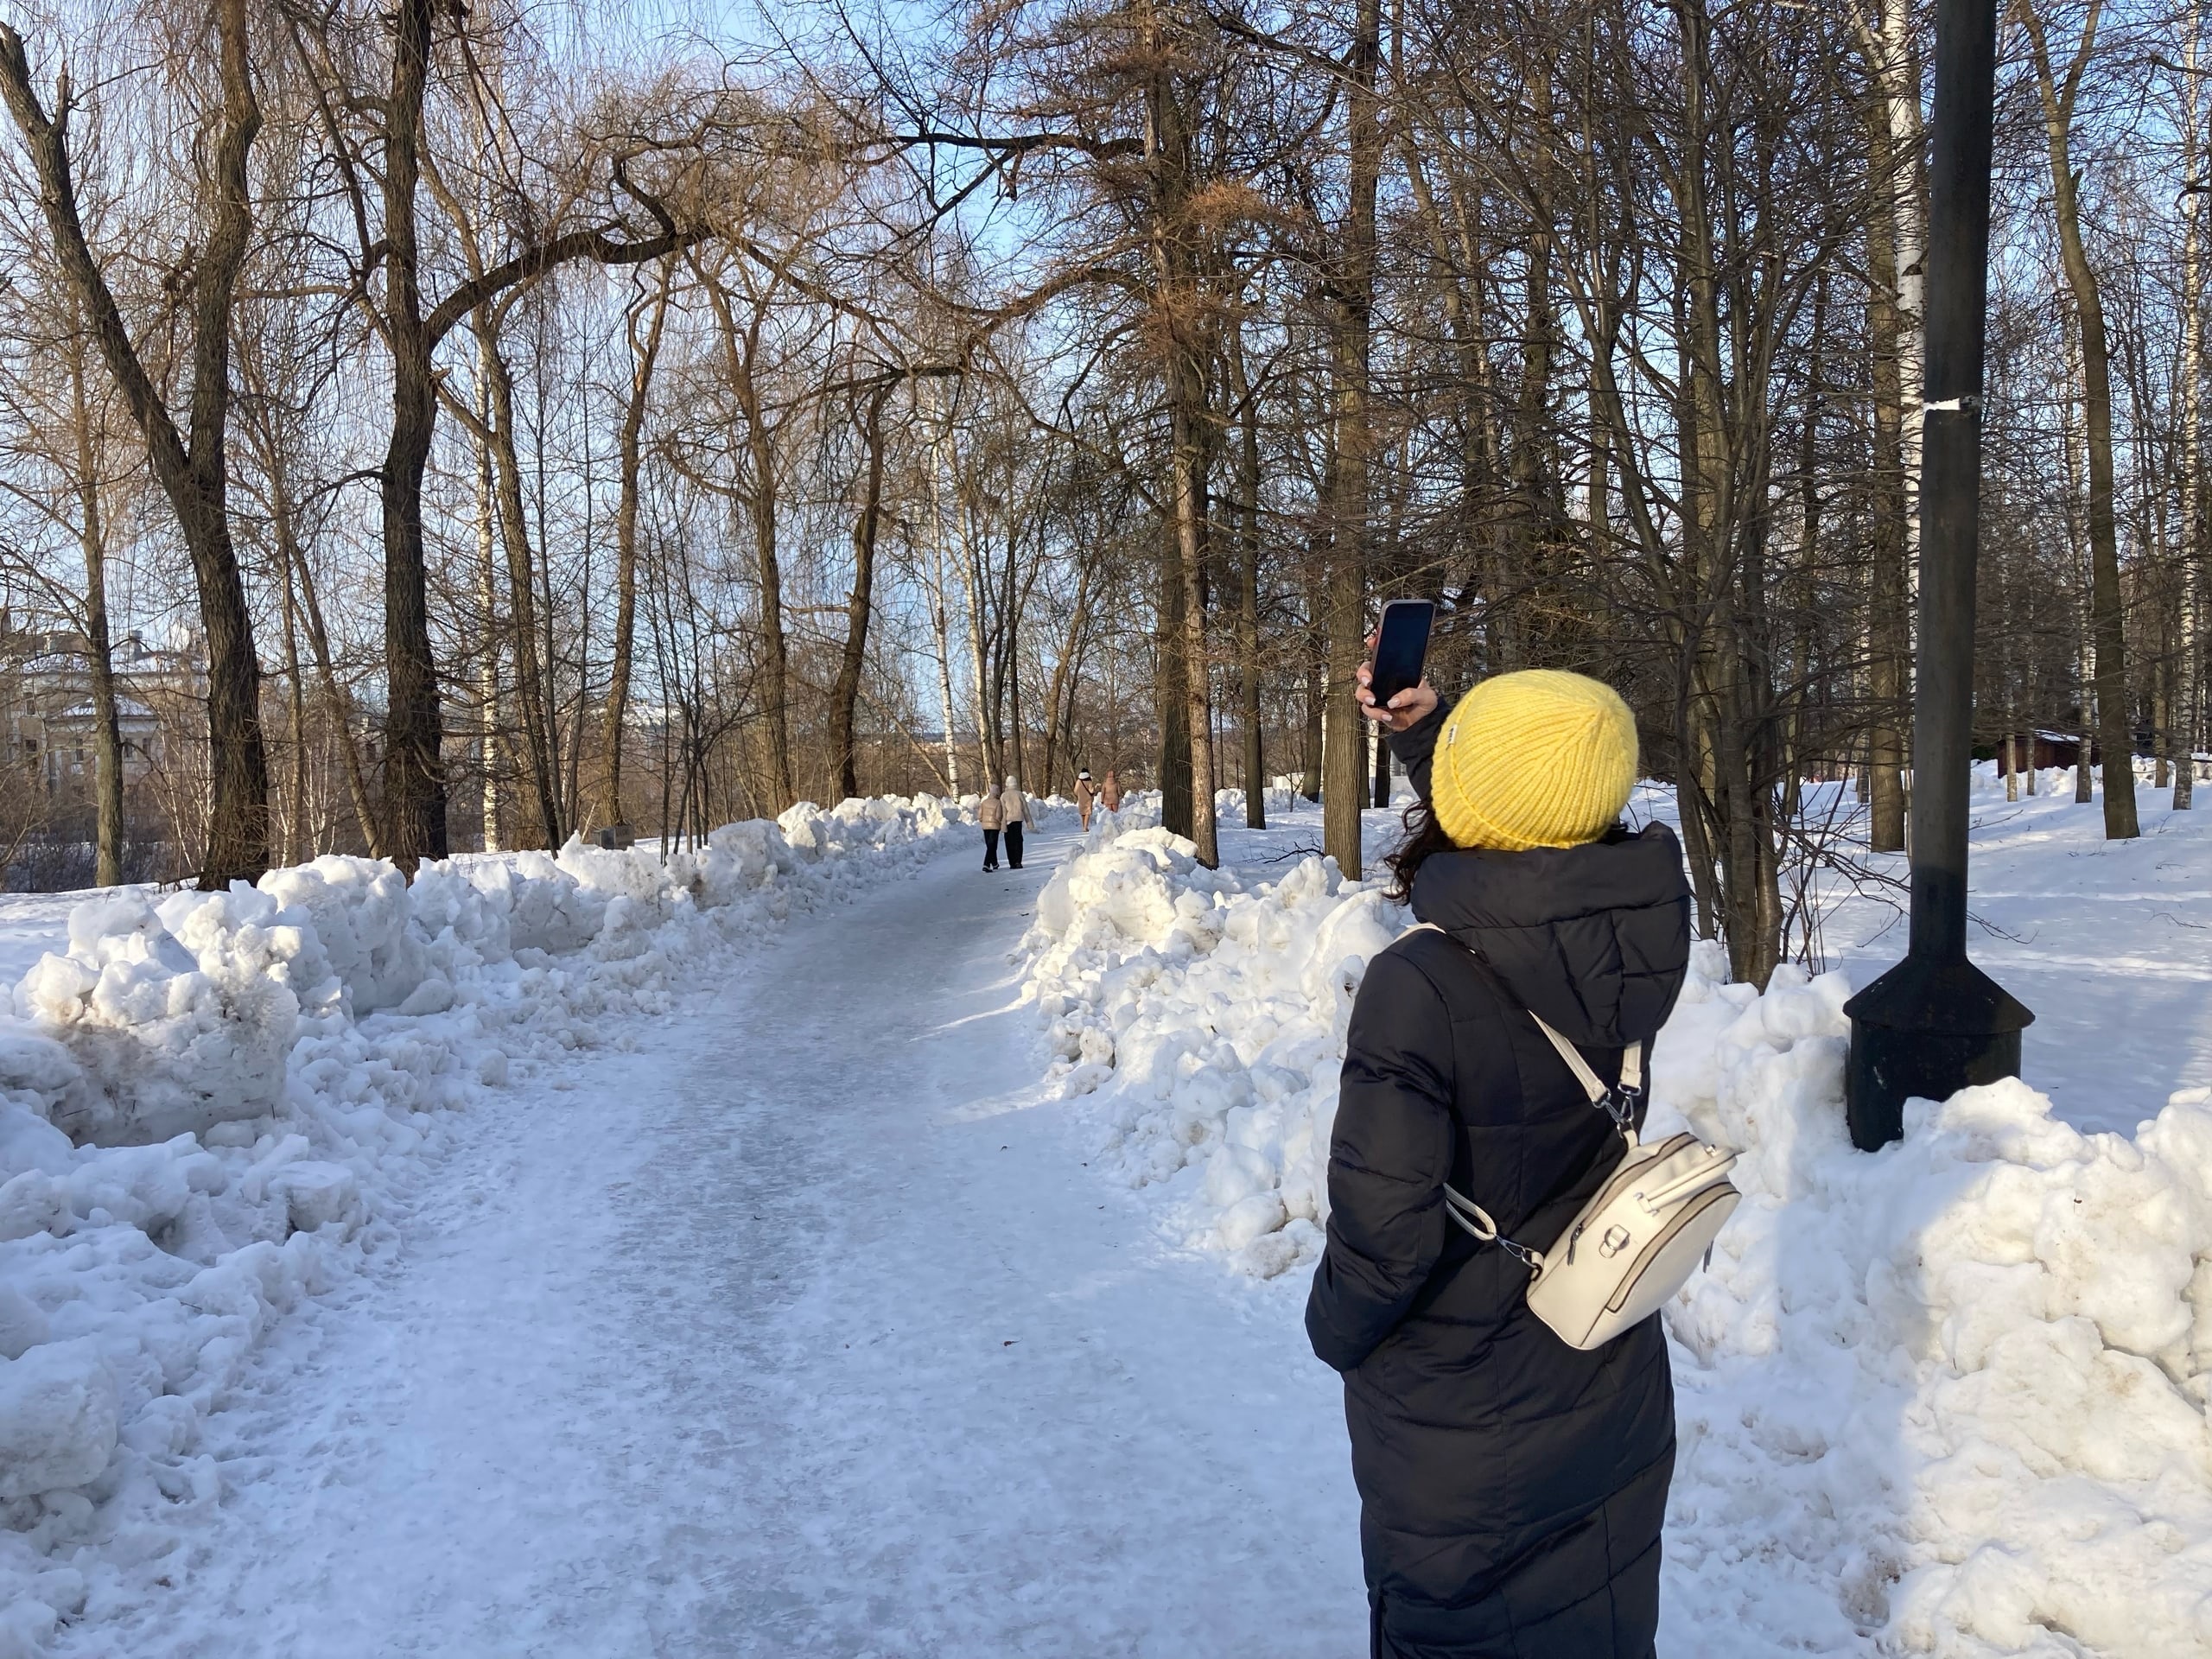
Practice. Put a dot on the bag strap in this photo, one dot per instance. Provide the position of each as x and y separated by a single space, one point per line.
1473 1218
1619 1102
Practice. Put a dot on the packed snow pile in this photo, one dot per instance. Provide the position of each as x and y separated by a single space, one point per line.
1950 1399
1278 797
1956 1389
1208 1011
1140 809
202 1099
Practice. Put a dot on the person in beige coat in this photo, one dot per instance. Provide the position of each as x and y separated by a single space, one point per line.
990 812
1018 815
1086 796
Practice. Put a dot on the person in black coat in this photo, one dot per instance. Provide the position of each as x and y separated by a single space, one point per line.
1512 1488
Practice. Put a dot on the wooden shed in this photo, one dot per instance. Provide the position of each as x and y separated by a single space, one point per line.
2042 750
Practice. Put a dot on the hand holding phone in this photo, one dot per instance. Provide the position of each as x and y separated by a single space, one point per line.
1391 690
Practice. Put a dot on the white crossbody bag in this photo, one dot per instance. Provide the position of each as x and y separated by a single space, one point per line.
1642 1232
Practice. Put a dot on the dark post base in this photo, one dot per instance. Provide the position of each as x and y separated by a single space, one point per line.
1925 1030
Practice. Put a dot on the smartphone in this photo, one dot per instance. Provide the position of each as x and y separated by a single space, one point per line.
1401 647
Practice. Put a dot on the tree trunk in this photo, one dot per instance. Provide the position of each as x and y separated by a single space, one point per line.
2108 620
2194 521
531 695
1177 300
940 625
1059 711
1532 526
349 750
413 766
1810 515
616 710
980 639
2162 700
191 467
1888 630
285 530
939 602
299 841
1316 695
2084 651
1724 481
1190 493
414 781
1893 56
1692 792
490 734
775 648
1012 604
2085 672
1248 587
107 722
844 695
1596 491
1170 692
1344 786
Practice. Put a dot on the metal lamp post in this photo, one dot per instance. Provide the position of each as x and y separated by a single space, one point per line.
1935 1023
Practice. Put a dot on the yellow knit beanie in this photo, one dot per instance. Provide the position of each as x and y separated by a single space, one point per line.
1536 759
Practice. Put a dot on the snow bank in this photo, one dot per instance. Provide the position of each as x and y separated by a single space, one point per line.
1955 1391
1208 1012
1140 808
1229 803
1950 1399
203 1101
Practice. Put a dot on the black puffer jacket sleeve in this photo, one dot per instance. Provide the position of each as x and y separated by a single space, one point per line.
1389 1159
1417 746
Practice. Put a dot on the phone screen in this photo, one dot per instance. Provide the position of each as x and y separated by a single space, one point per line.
1401 646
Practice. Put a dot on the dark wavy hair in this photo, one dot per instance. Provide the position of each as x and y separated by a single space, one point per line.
1425 838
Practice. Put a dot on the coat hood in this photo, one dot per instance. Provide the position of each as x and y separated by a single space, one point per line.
1594 940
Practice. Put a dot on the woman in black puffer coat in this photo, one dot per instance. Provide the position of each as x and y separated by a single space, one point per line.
1512 1487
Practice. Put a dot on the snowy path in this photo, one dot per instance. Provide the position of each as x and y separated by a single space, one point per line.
796 1332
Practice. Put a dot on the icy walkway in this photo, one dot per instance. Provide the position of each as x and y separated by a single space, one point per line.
796 1332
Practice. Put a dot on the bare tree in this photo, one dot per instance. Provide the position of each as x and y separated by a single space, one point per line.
2116 728
189 464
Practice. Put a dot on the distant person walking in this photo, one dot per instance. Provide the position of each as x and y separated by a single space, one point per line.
1512 1487
1014 805
1110 794
990 812
1086 796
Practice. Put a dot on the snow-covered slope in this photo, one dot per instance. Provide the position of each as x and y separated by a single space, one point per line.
2093 935
1950 1399
206 1103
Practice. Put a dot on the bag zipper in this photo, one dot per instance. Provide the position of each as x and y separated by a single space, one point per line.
1695 1208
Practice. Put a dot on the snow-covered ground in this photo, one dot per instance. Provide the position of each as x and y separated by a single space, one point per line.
797 1328
32 924
1951 1398
216 1109
2108 943
775 1276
